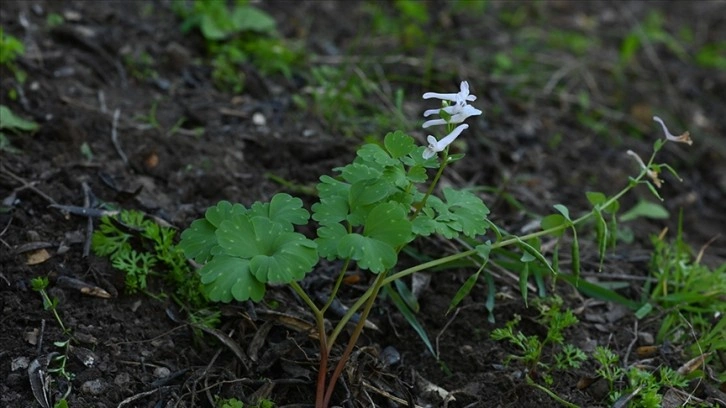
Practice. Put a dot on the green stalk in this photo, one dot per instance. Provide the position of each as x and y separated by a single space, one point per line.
353 337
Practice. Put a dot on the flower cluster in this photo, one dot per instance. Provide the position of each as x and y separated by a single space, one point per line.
454 113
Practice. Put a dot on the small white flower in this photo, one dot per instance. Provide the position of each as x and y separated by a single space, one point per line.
652 174
683 138
458 112
459 98
458 115
436 146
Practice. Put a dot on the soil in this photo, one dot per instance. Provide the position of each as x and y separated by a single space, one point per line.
531 143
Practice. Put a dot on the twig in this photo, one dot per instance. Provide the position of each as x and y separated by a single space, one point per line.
27 184
446 326
89 219
114 137
632 344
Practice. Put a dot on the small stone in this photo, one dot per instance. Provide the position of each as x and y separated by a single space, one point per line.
19 363
161 372
259 119
93 387
122 379
646 338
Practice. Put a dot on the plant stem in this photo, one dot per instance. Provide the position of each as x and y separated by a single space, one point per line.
338 281
323 338
444 162
354 337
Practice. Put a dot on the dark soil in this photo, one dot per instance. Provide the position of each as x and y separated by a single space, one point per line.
530 142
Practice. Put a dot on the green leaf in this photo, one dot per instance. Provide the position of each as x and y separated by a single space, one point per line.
293 257
563 210
463 212
248 18
356 172
554 221
523 277
328 239
385 229
464 290
227 277
372 254
283 209
223 211
8 120
198 241
645 209
387 222
410 317
276 256
417 174
596 198
373 153
407 295
331 210
398 144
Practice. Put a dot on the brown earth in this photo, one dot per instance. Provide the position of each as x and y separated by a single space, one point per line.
530 143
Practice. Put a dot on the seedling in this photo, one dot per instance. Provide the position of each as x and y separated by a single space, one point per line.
531 348
58 362
142 248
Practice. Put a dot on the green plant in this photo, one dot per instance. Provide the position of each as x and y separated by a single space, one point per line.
58 363
141 248
368 214
691 294
235 403
234 37
641 388
10 49
531 348
13 123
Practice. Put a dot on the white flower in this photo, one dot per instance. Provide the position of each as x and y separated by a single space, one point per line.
459 98
436 146
458 112
683 138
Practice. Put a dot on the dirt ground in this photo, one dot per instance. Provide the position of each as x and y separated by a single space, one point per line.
531 143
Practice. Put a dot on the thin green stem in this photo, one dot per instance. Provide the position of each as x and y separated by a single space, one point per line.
354 337
444 162
550 393
301 292
336 287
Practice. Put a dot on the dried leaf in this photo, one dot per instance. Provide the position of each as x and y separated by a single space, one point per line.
37 257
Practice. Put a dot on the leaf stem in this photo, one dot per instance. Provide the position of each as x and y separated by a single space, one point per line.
354 336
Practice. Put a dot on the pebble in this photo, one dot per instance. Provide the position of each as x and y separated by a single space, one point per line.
161 372
92 387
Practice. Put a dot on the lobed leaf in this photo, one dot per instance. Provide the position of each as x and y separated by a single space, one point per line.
198 241
227 277
398 144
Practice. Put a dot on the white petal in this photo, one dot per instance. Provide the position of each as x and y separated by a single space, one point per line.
446 96
466 112
665 129
432 141
451 136
433 122
428 153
